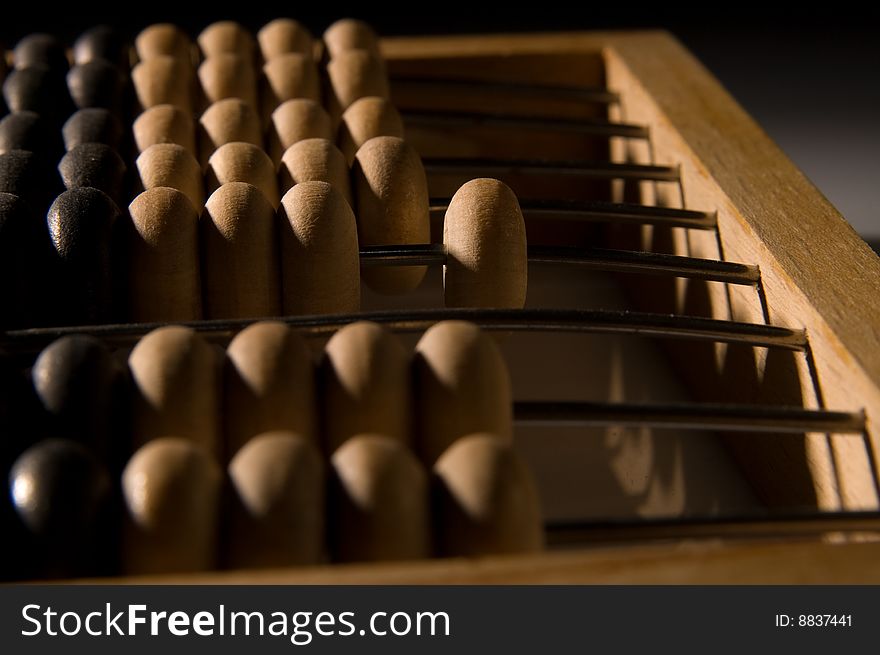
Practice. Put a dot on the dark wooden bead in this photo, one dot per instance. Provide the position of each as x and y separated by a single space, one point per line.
80 385
39 89
40 50
26 175
92 125
24 258
94 165
102 42
80 223
96 83
26 130
64 500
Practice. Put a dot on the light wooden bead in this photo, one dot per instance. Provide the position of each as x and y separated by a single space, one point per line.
163 258
295 120
462 387
163 80
320 261
354 74
172 165
485 237
269 385
391 194
379 502
163 39
289 76
226 75
278 505
315 160
350 34
486 500
284 35
176 388
365 385
239 254
242 162
226 36
165 124
224 122
367 118
172 491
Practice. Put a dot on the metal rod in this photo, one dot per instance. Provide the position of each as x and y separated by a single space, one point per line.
508 320
455 86
604 212
692 416
562 533
607 260
577 169
457 119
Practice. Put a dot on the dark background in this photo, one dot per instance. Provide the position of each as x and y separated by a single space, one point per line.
810 76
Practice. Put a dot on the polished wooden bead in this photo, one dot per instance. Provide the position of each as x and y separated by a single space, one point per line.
379 502
24 250
486 501
102 42
63 497
462 387
269 385
40 50
391 195
163 39
226 121
242 162
485 238
26 130
165 124
314 160
354 74
92 125
365 385
241 275
26 175
176 388
172 165
38 89
350 34
172 489
282 36
96 83
80 386
164 80
288 76
226 36
226 75
95 165
295 120
320 261
164 276
277 506
80 229
367 118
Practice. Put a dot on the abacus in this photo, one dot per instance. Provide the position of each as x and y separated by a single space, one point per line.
544 308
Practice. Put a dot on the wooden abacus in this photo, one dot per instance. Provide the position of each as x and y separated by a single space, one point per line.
685 382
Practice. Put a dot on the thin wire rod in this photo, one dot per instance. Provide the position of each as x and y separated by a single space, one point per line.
814 523
480 167
453 86
626 261
605 212
691 416
508 320
461 119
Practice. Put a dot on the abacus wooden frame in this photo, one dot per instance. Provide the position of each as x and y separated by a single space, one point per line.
817 275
